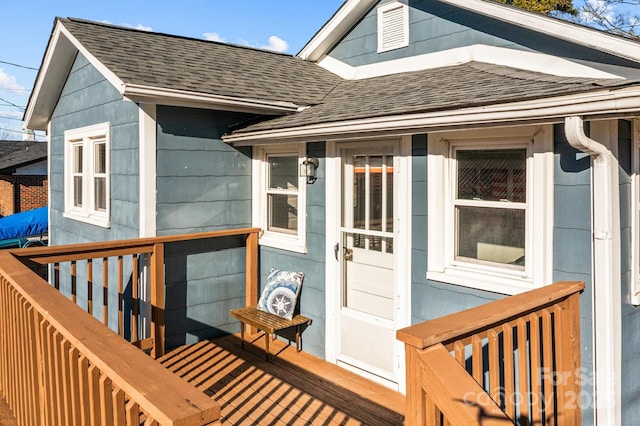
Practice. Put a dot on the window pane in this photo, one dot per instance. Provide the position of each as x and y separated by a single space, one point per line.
491 235
492 175
359 194
100 194
283 213
77 158
100 158
375 192
77 191
283 172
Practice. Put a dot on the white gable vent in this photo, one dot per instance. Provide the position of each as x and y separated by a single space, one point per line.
393 26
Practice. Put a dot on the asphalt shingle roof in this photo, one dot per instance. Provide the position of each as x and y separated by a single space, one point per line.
18 153
180 63
453 87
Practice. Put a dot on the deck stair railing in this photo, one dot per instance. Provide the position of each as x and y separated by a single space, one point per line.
59 365
511 361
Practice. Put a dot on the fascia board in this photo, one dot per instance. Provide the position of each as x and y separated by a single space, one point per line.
557 28
602 103
57 63
339 24
147 94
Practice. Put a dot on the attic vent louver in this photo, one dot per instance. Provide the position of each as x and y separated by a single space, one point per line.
393 26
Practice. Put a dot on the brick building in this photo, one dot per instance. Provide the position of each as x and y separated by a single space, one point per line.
23 176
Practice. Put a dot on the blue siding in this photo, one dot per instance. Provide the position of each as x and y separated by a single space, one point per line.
203 184
86 99
572 244
436 26
431 299
630 314
312 296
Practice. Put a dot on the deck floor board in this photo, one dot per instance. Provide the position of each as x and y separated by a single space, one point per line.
292 388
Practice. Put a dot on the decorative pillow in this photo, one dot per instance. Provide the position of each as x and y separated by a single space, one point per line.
280 294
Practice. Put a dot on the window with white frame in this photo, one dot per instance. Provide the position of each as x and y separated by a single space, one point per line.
393 26
490 209
87 174
280 196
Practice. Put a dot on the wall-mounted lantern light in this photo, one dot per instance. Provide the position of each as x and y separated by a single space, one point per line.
309 167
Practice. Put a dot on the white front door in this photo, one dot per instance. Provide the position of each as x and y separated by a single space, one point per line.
368 293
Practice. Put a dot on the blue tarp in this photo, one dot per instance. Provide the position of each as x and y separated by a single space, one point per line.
25 224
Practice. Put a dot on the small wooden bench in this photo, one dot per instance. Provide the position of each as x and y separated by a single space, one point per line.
268 323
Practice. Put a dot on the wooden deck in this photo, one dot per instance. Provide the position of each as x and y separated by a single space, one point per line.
291 389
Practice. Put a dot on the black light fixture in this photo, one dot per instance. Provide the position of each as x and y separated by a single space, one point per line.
310 165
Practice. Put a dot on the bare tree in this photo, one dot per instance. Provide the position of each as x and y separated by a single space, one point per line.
620 17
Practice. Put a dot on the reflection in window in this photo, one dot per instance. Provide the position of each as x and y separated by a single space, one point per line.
490 206
282 194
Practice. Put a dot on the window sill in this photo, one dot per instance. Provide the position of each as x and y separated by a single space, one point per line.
282 243
90 219
480 280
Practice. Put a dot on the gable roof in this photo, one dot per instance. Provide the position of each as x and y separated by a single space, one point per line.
147 66
434 92
354 10
15 154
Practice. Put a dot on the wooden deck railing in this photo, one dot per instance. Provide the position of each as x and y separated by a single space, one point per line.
515 360
61 366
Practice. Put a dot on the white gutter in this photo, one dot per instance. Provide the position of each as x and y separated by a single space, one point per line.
607 341
555 109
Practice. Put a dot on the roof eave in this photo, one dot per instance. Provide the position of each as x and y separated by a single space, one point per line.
331 32
624 102
578 34
353 10
165 96
55 67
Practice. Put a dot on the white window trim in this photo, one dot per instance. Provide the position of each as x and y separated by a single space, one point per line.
290 242
539 205
405 25
86 136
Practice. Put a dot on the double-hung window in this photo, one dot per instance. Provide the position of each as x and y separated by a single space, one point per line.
87 174
490 209
279 196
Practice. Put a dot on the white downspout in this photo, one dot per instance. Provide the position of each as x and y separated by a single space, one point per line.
606 276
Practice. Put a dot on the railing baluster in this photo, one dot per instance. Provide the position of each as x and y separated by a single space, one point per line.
56 275
547 365
135 300
509 374
90 286
476 358
536 366
74 278
105 291
106 401
157 300
523 373
494 365
120 296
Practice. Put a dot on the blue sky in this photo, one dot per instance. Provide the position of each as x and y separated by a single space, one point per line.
283 25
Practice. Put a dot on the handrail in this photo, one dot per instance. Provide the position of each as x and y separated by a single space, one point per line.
60 365
51 254
99 253
523 351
